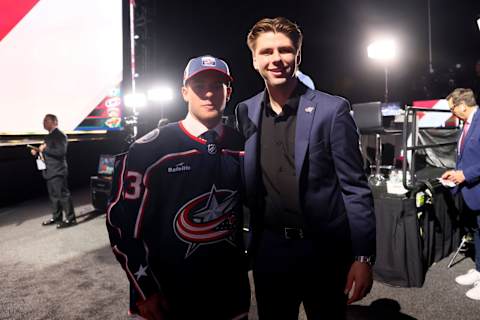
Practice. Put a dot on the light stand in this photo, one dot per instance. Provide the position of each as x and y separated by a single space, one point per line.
385 51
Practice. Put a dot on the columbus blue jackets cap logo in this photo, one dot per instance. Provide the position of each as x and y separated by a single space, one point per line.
203 63
208 61
207 219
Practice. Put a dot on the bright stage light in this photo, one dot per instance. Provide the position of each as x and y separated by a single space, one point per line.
160 94
478 24
135 100
384 50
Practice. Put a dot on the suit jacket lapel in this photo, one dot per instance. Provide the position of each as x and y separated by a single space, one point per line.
252 144
305 114
473 126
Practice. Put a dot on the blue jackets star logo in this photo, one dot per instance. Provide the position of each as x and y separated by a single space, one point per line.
208 218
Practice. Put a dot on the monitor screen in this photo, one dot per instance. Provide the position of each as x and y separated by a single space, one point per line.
391 109
106 164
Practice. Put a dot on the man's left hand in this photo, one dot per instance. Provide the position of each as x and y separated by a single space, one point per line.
454 175
42 147
359 281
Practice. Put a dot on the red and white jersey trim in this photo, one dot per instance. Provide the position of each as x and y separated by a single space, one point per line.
117 196
130 274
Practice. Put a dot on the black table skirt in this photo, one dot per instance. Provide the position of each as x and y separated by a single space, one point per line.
411 239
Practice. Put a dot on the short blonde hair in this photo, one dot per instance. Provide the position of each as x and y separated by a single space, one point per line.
460 95
276 25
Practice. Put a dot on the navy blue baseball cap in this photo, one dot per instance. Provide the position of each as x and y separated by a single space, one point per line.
204 63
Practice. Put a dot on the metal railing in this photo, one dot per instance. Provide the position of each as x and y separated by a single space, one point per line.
411 111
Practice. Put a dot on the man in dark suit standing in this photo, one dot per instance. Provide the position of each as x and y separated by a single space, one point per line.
54 151
467 174
311 206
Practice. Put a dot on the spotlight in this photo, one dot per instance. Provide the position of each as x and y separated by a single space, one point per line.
383 50
135 100
160 94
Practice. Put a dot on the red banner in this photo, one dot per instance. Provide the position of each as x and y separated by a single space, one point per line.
12 12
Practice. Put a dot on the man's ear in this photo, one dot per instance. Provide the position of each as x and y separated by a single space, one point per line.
298 59
184 93
254 62
229 93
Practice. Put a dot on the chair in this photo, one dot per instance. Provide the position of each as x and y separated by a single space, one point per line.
369 120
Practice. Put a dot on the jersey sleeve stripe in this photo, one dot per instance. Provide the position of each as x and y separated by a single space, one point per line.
117 196
129 273
233 152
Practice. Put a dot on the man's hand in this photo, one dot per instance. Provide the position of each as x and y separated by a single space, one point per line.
42 147
153 308
359 281
454 175
33 152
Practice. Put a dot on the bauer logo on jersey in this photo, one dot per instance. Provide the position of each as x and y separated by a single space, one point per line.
179 167
206 219
208 61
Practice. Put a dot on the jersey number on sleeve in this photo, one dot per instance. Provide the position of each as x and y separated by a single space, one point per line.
133 188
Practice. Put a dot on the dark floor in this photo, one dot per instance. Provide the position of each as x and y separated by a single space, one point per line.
71 274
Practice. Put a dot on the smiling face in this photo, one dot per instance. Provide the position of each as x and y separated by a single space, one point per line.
206 95
276 59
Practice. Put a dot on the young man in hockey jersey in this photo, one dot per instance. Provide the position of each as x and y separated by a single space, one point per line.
175 220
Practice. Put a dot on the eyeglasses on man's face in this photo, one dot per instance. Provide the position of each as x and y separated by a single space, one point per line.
452 107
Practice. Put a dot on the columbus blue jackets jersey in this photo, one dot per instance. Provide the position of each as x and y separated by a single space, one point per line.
175 215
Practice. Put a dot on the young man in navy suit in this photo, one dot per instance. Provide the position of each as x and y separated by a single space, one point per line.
467 173
311 206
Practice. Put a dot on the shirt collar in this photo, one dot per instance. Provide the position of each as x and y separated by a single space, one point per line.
470 118
292 102
196 128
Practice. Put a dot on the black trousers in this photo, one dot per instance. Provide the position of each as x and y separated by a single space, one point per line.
60 198
211 286
288 272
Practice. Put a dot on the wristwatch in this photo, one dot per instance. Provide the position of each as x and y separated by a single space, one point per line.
370 260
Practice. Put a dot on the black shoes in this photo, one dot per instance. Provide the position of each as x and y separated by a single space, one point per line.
66 224
49 222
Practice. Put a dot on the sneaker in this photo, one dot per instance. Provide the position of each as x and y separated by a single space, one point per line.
468 278
474 293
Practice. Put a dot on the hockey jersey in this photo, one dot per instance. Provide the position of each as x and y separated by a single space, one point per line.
175 214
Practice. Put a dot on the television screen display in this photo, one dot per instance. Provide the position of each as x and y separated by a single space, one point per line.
106 164
391 109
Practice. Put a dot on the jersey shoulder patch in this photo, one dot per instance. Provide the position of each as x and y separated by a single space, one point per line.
149 137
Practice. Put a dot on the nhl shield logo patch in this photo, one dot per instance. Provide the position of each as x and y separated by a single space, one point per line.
212 148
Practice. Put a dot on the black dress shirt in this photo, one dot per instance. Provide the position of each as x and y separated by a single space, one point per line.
277 161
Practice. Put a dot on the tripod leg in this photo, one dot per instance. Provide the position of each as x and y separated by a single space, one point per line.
464 239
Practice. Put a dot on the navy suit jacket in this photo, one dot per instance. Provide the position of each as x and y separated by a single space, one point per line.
469 161
335 197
